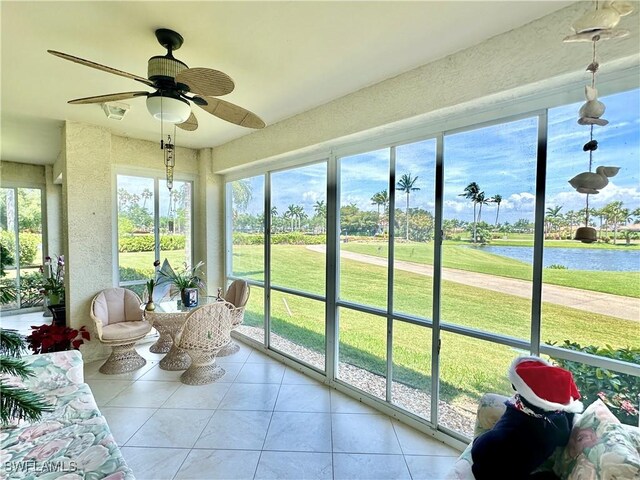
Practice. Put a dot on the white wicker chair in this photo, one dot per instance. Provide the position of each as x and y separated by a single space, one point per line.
238 296
119 323
206 330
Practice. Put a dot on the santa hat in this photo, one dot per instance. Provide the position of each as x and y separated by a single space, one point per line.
545 386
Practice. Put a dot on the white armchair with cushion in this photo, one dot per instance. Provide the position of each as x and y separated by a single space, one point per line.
237 295
119 324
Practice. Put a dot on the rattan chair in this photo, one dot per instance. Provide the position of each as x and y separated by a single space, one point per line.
206 330
238 296
119 324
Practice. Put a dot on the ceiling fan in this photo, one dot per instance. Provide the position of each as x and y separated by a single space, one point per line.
173 82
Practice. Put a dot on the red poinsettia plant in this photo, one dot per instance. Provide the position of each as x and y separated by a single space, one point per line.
56 338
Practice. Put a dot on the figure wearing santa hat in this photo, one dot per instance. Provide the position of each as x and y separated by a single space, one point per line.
538 419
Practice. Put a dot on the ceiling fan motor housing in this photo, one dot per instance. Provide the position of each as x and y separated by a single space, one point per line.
164 69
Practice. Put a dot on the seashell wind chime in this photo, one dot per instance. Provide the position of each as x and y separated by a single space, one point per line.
592 27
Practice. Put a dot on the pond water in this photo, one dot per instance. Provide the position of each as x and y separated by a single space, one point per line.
575 258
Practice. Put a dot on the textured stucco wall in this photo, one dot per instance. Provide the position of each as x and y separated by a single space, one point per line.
12 173
53 195
130 152
88 221
528 55
208 222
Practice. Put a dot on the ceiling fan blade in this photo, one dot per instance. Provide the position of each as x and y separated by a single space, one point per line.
98 66
190 125
111 97
232 113
206 81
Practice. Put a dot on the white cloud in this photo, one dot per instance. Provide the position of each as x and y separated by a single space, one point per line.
519 202
312 196
457 206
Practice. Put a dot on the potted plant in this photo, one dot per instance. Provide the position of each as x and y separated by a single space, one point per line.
53 287
56 338
187 281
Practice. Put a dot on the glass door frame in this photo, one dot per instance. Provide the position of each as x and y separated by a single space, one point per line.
16 232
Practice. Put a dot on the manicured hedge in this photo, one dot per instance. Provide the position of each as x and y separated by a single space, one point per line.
28 245
290 238
146 243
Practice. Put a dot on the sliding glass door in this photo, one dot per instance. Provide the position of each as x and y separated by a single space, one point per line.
21 235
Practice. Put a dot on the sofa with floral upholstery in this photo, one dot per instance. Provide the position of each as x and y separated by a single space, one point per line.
73 441
600 447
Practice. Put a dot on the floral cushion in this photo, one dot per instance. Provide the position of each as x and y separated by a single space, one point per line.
71 442
599 448
52 370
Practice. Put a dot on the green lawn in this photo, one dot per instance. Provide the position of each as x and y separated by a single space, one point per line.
144 260
470 367
462 257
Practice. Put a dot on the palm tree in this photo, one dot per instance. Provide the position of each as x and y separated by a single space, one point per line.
146 195
616 214
406 185
553 213
481 200
241 194
573 218
291 214
471 192
384 197
497 199
320 208
375 200
274 217
300 214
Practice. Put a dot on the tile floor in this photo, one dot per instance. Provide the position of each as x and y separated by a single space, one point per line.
262 420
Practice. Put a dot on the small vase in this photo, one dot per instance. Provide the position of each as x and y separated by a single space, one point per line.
150 306
189 297
59 314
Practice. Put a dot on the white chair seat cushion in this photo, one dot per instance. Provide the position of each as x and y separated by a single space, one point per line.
125 330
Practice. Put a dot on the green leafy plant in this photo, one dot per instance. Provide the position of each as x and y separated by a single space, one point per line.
28 245
618 391
16 402
56 338
147 243
53 285
186 277
7 289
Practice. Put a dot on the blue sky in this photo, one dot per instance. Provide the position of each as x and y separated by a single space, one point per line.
500 158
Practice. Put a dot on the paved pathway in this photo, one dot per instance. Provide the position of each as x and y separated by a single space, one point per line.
616 306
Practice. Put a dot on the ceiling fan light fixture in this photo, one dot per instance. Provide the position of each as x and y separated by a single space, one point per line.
168 108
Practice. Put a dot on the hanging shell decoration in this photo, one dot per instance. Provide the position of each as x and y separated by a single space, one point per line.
592 183
591 111
592 27
600 24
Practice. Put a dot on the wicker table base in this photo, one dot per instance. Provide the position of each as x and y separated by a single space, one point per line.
164 343
176 359
168 325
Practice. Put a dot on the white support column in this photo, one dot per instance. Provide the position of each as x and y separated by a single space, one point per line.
87 222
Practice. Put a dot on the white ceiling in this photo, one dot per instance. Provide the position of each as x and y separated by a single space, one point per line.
285 57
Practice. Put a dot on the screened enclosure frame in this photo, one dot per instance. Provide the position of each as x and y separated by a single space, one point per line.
333 302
